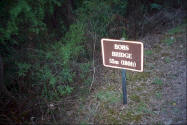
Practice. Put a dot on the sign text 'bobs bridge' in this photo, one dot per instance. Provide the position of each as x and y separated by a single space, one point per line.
122 54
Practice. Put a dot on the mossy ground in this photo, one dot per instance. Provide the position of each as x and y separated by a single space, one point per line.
155 96
146 91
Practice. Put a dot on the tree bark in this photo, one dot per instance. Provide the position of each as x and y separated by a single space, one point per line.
3 88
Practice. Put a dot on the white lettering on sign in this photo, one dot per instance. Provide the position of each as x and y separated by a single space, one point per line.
113 61
128 63
121 47
120 54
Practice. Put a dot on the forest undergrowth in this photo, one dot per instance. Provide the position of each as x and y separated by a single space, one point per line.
156 96
51 68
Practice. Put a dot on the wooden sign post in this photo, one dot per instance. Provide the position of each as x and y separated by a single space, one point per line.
123 55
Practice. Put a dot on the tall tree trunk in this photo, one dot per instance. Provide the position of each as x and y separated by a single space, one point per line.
3 89
70 16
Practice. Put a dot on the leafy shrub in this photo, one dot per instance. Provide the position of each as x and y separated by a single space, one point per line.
157 81
148 52
119 6
169 40
26 42
108 96
14 24
55 72
155 6
23 69
178 29
96 15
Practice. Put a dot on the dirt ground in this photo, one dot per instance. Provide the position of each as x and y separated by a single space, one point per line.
156 96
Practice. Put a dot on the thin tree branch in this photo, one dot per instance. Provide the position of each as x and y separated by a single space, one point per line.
93 63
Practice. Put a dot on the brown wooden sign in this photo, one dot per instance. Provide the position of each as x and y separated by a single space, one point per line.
122 54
